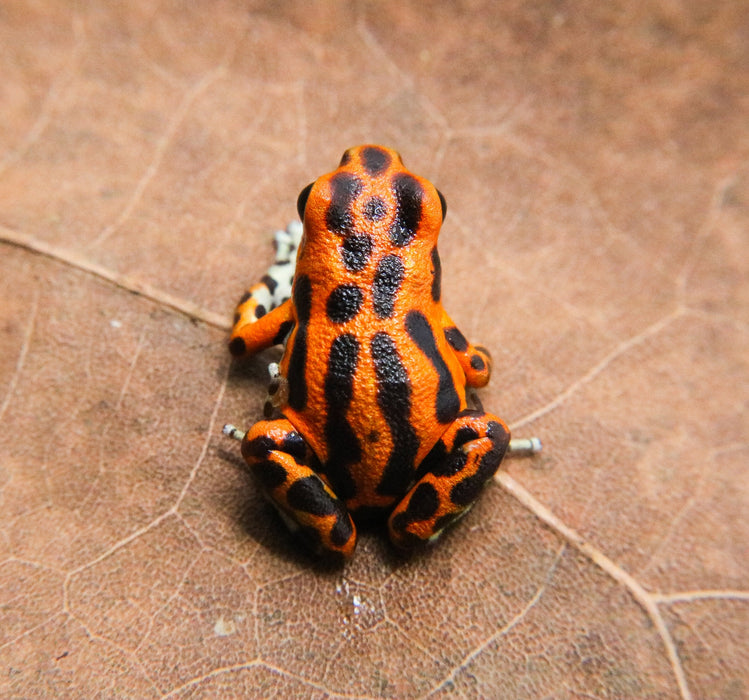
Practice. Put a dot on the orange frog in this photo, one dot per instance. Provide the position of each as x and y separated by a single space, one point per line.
371 388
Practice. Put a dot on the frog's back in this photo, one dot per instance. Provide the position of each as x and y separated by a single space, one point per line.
372 383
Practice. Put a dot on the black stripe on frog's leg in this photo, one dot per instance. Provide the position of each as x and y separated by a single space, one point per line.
456 339
283 331
477 363
447 401
424 502
298 360
387 281
445 459
341 532
467 490
394 400
409 195
345 189
344 446
269 473
309 495
422 505
463 460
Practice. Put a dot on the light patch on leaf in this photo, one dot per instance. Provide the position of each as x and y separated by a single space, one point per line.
224 628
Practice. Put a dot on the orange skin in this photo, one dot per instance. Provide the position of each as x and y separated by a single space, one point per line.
376 370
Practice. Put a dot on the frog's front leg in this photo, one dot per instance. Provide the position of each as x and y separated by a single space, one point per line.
450 478
278 455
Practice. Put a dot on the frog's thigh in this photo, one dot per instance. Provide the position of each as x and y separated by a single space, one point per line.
277 456
451 478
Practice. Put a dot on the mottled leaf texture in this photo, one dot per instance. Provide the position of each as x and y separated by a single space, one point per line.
595 157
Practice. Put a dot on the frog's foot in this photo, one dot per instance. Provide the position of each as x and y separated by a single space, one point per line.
450 478
277 455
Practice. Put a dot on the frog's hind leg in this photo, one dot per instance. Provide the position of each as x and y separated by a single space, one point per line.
277 455
450 478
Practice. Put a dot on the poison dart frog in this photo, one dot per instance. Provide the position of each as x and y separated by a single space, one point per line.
373 419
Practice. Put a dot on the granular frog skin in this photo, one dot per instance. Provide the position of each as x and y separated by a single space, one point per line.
371 389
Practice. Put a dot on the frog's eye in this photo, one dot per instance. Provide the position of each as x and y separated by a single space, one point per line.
301 202
443 203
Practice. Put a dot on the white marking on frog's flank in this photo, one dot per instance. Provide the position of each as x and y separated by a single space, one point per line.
263 297
275 286
282 270
288 241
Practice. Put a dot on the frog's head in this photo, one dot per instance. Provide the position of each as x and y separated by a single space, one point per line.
373 194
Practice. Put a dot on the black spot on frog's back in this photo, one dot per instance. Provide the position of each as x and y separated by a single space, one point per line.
387 281
375 160
356 251
345 188
394 400
375 209
344 303
344 446
409 195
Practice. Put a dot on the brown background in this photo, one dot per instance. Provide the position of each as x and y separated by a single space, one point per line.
594 157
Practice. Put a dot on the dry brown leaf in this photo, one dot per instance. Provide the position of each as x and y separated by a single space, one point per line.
595 158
